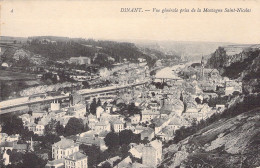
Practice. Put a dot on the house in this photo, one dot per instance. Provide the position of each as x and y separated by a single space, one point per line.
39 129
148 115
102 126
78 110
126 163
38 114
31 126
166 134
58 163
129 126
99 111
135 119
110 161
55 105
6 158
118 126
3 137
137 151
88 141
176 123
76 160
12 138
211 73
152 154
220 107
232 86
108 108
64 148
160 124
14 146
147 133
138 129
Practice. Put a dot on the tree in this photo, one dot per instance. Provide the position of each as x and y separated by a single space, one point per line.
2 160
74 126
112 140
132 109
106 165
13 126
16 157
32 160
99 103
198 100
93 107
50 139
93 152
26 134
85 84
59 128
125 137
50 128
30 113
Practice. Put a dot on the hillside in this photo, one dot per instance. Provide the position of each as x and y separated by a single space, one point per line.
192 50
63 48
231 138
101 52
239 62
233 142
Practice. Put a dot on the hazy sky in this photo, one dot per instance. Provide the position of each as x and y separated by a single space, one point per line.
103 20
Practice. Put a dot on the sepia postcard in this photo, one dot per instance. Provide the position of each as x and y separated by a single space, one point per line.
129 84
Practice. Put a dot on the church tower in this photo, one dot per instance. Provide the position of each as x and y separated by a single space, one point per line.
31 145
202 68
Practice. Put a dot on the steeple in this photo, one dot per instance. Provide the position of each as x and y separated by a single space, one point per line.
31 146
202 67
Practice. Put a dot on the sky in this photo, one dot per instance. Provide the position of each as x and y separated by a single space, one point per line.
103 20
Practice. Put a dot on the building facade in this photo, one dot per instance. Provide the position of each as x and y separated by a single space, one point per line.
64 148
76 160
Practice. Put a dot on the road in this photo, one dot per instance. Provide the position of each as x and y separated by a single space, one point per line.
25 100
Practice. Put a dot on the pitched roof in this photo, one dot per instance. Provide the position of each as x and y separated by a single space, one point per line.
21 146
76 156
156 144
159 121
102 123
55 162
64 143
147 132
7 144
118 122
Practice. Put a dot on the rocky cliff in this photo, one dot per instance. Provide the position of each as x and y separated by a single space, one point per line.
227 55
239 62
233 142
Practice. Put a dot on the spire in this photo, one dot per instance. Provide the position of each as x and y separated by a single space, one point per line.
31 146
202 67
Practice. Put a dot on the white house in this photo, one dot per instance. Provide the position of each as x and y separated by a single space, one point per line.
76 160
102 126
64 148
118 126
135 119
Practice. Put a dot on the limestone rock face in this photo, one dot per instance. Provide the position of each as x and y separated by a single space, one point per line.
228 142
239 62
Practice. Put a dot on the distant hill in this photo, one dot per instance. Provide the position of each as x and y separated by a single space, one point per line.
9 39
192 50
62 48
